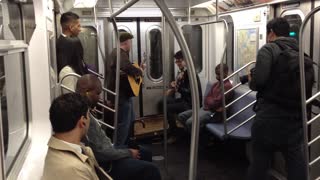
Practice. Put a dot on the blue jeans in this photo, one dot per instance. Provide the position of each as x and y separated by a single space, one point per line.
129 168
126 117
186 118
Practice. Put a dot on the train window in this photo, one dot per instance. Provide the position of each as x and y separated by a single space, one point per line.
193 36
295 22
88 37
154 54
13 106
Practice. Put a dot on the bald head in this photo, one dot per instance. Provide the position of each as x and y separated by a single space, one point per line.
90 86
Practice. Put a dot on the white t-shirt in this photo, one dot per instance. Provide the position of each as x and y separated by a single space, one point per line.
70 81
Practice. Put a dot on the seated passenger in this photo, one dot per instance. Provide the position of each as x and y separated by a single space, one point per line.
181 86
124 163
67 158
211 111
73 58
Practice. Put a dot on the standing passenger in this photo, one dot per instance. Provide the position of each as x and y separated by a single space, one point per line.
73 57
125 112
67 158
70 25
278 122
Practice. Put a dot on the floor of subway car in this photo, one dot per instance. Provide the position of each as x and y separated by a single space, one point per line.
217 161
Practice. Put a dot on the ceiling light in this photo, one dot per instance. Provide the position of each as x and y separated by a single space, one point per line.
206 4
84 3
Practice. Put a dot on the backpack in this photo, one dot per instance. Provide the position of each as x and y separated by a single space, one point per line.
284 88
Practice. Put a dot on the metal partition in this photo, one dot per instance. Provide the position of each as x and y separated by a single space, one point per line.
304 101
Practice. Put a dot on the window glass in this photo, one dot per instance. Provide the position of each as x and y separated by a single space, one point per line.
88 37
295 22
155 54
13 106
193 36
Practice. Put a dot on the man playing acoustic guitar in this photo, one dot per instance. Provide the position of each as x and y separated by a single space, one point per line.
126 114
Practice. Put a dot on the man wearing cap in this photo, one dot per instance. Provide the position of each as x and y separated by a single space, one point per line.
125 110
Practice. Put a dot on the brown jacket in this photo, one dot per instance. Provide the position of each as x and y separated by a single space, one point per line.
65 163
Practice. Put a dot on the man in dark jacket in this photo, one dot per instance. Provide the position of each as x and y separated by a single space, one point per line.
179 95
126 114
70 25
124 163
276 127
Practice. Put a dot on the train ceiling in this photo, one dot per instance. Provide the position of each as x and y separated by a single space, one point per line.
210 5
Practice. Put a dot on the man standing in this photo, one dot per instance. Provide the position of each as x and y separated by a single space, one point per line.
278 122
125 112
67 158
125 163
70 25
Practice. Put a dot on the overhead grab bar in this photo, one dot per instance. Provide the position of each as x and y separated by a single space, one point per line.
303 91
123 8
193 86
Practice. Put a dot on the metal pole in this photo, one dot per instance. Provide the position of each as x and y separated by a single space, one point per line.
224 112
189 12
116 104
303 86
123 8
2 164
193 86
164 68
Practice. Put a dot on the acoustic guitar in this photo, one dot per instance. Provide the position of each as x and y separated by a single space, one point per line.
135 82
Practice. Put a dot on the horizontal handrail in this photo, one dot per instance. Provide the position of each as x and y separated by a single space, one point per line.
106 107
244 122
241 110
313 119
105 124
239 70
109 91
314 161
314 140
66 88
100 112
233 88
68 75
123 8
313 97
2 77
95 73
234 101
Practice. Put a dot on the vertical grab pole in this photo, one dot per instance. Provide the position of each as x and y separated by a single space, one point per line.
164 68
193 86
2 165
116 104
303 86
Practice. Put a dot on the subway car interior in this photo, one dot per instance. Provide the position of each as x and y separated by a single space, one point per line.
207 32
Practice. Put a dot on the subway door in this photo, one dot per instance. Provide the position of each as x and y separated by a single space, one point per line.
130 26
151 52
92 39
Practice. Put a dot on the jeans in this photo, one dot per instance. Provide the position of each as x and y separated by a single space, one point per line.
274 131
186 118
126 117
175 106
129 168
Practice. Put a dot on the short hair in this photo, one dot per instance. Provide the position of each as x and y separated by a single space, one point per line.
123 36
279 26
224 67
68 17
66 110
178 55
